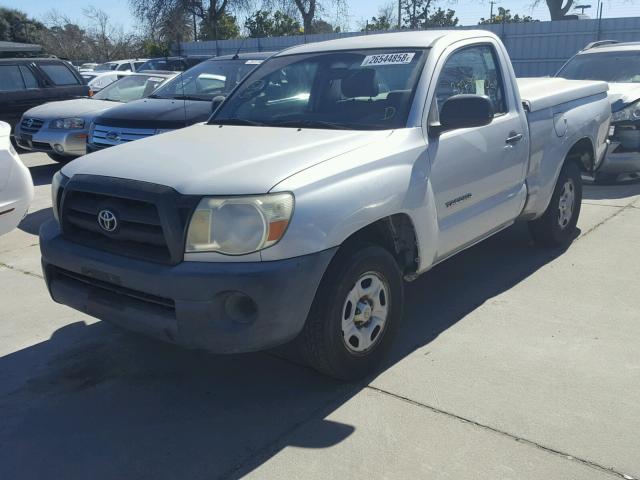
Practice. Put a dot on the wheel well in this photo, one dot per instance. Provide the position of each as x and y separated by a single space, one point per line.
583 154
395 233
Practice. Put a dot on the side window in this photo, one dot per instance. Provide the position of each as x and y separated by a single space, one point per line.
10 78
124 67
472 70
137 65
29 78
59 74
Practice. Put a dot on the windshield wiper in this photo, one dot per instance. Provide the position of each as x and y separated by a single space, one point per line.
188 97
236 121
314 124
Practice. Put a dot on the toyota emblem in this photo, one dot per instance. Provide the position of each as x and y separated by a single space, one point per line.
107 221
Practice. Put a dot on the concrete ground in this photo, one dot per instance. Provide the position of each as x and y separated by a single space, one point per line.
514 362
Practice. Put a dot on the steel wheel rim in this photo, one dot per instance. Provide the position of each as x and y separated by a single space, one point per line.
566 204
365 312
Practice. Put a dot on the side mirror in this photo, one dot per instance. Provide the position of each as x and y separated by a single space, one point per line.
464 111
216 102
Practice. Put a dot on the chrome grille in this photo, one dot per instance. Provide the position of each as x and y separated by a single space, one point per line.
31 125
107 136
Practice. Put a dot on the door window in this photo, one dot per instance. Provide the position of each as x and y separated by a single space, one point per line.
10 78
29 78
472 70
59 74
124 67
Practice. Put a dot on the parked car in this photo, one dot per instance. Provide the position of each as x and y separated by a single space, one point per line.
98 82
183 101
131 65
28 82
87 67
618 64
331 173
174 64
61 128
16 186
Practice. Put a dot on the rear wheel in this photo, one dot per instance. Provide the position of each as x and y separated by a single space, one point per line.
355 314
557 227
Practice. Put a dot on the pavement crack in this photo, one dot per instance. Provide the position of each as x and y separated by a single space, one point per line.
19 270
610 217
553 451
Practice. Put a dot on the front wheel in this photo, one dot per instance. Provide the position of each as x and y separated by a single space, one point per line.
557 226
355 314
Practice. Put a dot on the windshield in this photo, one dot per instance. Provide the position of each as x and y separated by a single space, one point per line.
127 89
105 67
207 80
351 89
616 67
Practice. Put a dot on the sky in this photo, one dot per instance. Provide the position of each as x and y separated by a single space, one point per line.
468 11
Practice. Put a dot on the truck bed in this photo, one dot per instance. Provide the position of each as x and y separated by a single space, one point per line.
540 93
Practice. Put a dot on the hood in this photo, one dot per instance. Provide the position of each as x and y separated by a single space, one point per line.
70 108
156 113
622 94
228 160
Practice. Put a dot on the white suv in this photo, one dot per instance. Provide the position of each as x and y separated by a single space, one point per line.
618 64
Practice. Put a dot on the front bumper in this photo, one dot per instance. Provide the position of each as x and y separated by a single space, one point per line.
221 307
623 154
73 142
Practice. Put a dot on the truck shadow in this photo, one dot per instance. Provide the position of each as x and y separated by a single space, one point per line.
32 222
96 402
614 191
42 174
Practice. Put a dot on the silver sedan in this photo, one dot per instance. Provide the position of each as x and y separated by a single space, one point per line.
60 129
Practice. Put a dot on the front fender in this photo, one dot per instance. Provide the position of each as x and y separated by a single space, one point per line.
339 197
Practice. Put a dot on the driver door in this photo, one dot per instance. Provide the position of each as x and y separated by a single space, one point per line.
477 174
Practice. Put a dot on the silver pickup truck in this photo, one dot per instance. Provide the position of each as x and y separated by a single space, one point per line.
332 174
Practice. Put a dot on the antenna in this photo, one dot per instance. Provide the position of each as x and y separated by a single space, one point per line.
237 55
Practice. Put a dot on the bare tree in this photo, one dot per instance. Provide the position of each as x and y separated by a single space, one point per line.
109 41
64 38
556 8
211 14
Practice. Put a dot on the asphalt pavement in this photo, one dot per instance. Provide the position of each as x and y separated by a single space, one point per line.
513 362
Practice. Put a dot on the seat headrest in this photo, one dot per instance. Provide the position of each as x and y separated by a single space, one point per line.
361 83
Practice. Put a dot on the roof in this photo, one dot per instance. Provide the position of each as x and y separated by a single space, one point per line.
19 47
30 60
245 56
613 47
413 39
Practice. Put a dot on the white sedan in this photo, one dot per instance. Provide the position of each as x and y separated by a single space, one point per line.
16 186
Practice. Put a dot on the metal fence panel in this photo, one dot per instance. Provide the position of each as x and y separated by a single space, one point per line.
536 48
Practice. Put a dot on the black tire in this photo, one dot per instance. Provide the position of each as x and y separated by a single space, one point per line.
322 342
547 230
60 158
605 178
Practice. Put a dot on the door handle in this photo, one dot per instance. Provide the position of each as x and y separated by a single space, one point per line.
513 138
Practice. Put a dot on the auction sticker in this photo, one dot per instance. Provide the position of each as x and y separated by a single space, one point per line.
388 59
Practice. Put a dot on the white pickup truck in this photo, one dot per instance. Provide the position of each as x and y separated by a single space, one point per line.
332 174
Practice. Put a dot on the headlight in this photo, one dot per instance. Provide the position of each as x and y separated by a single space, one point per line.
67 123
58 181
628 114
239 225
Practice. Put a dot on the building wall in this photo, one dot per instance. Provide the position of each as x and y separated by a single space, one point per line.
536 49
